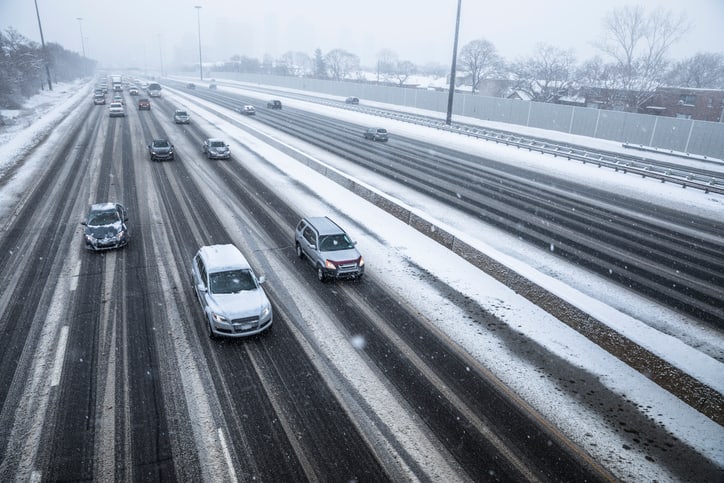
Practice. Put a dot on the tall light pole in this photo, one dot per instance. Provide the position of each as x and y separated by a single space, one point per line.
450 95
160 53
198 24
45 50
80 24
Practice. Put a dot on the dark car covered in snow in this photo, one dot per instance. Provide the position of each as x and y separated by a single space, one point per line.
105 227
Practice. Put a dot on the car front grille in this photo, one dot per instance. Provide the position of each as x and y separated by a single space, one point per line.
245 324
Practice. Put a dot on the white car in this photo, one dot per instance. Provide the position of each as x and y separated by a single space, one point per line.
116 110
248 109
230 294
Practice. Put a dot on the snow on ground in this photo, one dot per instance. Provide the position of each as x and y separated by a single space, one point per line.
637 318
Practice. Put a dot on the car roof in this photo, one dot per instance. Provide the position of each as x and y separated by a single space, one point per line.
108 206
324 225
219 258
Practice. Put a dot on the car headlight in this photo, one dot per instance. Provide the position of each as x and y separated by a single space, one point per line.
220 318
265 311
329 265
361 261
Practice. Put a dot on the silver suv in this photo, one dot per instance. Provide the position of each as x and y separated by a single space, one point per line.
230 294
181 117
328 248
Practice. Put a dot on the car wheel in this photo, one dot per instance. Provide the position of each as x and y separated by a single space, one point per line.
212 336
300 253
320 274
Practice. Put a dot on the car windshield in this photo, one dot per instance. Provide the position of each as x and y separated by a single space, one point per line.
160 144
231 281
102 218
181 113
217 144
330 243
382 131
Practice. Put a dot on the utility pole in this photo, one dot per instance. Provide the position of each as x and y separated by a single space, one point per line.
82 43
198 22
45 50
448 119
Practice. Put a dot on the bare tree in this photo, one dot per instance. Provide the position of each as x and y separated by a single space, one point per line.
341 63
480 59
403 70
547 74
595 73
297 63
434 69
638 43
386 63
704 70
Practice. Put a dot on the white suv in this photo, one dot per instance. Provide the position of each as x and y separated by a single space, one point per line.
230 294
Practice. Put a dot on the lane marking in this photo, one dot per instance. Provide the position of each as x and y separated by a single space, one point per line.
59 356
75 276
227 455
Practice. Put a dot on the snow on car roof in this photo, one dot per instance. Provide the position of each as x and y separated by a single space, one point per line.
222 257
103 206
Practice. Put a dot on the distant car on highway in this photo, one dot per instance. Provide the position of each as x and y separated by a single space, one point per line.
248 110
376 134
144 104
352 100
118 98
191 85
133 90
229 292
181 117
105 227
99 100
154 89
216 149
116 110
161 150
212 85
274 104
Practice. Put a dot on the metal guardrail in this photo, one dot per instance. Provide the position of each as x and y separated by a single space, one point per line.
601 159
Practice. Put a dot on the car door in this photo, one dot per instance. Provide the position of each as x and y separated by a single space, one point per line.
309 246
200 283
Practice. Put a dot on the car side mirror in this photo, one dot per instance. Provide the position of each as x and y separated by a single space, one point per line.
312 246
262 279
201 287
354 243
83 223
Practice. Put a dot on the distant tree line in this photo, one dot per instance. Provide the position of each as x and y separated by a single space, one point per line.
633 61
22 67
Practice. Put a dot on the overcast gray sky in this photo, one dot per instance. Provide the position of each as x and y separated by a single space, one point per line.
141 32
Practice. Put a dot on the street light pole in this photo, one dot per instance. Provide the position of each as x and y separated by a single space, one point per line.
160 53
448 119
80 24
198 24
45 51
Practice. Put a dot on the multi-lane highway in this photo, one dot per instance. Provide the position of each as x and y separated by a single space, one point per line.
108 374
